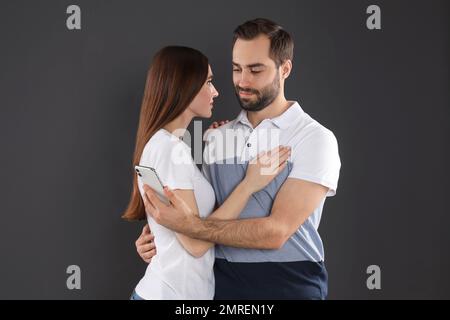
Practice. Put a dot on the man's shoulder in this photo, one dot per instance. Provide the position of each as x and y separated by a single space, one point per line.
306 128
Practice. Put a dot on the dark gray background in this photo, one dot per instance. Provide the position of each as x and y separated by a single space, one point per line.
70 100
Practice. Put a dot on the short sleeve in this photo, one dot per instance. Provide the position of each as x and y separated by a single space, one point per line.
173 163
316 159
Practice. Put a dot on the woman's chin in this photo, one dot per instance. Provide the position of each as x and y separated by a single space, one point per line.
207 114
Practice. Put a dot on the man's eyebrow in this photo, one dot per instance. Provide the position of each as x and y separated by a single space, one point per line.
256 65
253 65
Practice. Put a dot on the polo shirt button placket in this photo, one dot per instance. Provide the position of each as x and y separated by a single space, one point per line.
248 138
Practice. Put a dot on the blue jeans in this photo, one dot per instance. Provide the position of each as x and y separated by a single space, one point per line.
134 296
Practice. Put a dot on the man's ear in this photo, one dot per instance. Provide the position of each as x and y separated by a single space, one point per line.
286 68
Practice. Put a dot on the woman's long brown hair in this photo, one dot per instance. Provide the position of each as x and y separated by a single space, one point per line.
174 78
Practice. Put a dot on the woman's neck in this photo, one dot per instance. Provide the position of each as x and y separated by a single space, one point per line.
178 126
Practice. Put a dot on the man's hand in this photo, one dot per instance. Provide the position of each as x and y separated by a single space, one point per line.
177 216
145 246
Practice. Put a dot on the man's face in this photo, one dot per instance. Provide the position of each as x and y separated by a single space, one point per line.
255 76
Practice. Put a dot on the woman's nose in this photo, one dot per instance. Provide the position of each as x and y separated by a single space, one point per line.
215 93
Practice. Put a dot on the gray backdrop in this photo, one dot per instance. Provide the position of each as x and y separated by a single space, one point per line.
69 109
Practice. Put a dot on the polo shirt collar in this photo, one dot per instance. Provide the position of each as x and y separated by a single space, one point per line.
283 121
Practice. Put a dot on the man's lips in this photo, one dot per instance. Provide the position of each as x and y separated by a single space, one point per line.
245 94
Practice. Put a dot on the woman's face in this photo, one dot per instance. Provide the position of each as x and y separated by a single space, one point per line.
202 104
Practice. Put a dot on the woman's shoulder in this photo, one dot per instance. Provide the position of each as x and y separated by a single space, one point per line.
164 145
171 158
162 138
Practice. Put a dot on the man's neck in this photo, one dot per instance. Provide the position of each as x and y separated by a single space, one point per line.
276 108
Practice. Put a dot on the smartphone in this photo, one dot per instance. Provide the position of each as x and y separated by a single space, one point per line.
149 176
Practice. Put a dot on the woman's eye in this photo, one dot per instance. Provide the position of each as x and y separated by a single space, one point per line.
236 70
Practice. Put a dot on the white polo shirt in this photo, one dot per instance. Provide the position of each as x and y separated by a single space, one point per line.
314 158
173 273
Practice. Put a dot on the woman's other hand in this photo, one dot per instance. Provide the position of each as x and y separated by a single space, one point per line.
145 246
265 167
216 124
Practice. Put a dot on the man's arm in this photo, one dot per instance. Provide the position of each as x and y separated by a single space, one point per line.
294 203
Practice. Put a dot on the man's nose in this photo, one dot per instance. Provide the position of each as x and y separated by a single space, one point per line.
244 80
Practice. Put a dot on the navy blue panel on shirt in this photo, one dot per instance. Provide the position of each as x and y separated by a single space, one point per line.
300 280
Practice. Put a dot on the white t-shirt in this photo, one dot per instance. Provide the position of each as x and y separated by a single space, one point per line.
173 273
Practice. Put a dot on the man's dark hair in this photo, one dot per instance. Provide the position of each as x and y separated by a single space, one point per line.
281 43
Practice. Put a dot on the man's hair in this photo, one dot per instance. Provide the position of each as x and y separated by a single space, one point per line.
281 43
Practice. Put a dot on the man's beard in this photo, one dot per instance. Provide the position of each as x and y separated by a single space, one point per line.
264 97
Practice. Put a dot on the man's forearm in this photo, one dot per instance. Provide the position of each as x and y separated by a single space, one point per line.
233 205
259 233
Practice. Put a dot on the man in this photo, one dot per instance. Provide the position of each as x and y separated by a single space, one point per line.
274 250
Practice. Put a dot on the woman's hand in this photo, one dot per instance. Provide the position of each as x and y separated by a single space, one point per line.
145 245
216 124
265 166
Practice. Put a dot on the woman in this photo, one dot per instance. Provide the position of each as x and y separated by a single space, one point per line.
178 88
